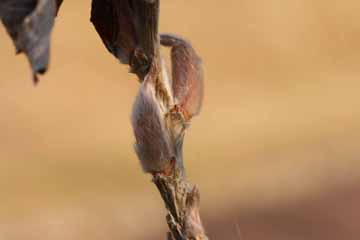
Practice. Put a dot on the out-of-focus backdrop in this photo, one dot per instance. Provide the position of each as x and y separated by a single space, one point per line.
275 151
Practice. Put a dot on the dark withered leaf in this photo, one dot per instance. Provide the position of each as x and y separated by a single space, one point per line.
58 4
29 24
114 23
128 28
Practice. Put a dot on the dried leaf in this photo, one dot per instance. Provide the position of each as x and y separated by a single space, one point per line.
114 24
29 24
58 4
128 28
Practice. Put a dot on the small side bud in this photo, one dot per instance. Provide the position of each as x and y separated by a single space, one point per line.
153 143
187 75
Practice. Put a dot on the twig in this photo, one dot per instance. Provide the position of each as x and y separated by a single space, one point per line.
164 105
182 202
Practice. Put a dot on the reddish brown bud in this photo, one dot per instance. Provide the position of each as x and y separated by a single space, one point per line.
187 75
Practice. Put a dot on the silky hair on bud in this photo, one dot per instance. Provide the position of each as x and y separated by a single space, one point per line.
153 144
187 75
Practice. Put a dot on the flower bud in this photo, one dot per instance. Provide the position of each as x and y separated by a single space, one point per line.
187 75
153 143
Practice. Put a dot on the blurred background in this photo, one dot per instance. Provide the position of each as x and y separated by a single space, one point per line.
275 151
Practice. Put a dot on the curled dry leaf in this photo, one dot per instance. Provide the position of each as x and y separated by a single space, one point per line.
114 24
29 24
128 29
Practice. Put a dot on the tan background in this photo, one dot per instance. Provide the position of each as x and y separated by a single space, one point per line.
280 127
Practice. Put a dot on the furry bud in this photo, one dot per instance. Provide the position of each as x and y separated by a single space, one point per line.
153 146
187 75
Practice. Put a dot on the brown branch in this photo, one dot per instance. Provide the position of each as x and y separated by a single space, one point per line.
180 198
163 108
182 202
